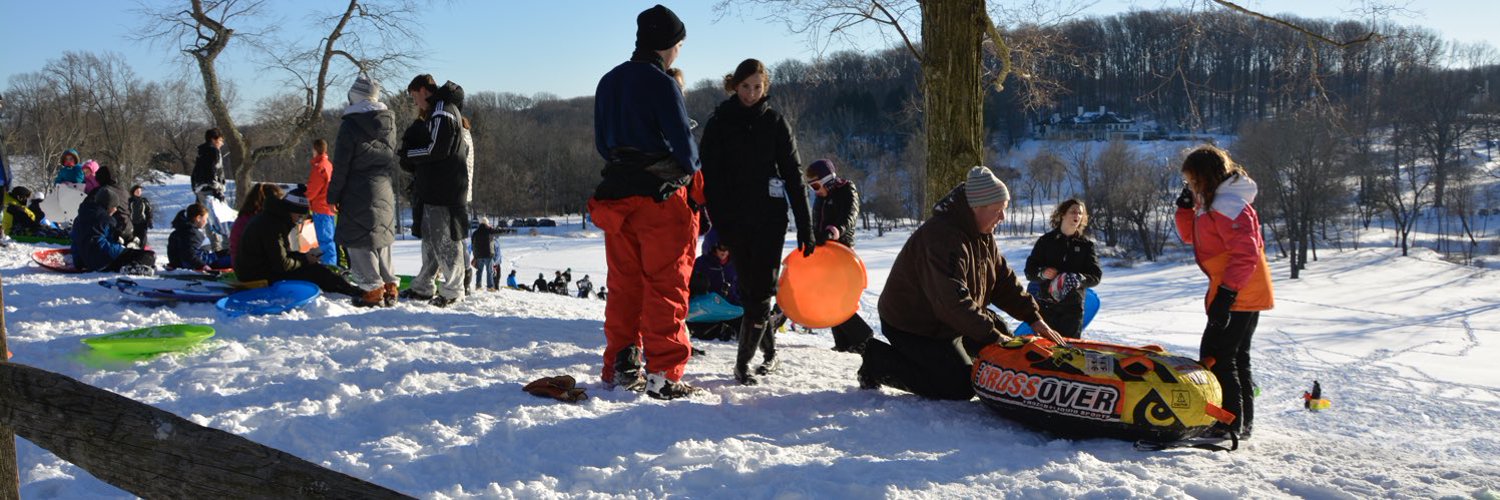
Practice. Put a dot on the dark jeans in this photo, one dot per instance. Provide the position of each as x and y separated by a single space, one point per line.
140 232
1230 349
1066 318
326 279
852 334
756 254
925 366
132 257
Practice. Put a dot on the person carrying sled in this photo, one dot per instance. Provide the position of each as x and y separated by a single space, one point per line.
266 253
96 245
1061 265
1215 216
186 246
937 294
642 205
750 175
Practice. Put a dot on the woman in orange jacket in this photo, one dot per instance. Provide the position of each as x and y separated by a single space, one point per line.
1214 215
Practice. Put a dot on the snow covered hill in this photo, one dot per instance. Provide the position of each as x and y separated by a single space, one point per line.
427 401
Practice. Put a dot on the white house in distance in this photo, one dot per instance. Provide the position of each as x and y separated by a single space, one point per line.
1101 125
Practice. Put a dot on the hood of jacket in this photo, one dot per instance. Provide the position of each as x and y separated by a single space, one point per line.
954 208
1233 195
451 94
77 160
373 122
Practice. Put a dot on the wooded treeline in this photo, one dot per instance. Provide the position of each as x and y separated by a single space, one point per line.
1371 130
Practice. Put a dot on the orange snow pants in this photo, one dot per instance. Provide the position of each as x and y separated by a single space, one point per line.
649 247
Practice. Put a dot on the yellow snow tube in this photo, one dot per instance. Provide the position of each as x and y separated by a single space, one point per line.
1097 389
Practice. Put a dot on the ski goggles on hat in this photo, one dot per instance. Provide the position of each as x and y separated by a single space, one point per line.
817 184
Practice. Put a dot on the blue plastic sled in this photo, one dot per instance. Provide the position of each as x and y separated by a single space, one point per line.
712 308
1090 308
280 297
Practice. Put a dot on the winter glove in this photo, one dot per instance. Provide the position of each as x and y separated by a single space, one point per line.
830 233
1039 291
1185 200
805 242
1218 310
561 388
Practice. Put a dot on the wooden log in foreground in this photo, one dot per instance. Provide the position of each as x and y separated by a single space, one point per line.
155 454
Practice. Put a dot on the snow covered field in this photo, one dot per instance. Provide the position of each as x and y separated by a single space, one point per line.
428 402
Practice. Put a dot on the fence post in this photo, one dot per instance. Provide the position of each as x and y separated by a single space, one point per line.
10 472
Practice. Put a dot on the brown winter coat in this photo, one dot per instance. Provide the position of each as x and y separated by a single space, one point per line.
947 273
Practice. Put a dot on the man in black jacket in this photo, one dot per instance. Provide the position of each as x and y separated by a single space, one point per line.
442 169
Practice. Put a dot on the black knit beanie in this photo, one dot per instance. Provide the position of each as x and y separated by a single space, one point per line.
657 28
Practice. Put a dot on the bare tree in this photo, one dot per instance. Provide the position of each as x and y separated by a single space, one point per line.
367 34
1300 163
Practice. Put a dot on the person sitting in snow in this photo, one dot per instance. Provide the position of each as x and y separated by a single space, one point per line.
186 245
510 280
265 251
938 292
95 245
250 206
714 273
540 285
22 221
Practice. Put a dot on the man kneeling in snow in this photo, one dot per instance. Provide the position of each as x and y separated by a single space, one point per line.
935 299
265 251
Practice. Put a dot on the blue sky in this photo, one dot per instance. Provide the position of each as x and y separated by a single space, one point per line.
557 46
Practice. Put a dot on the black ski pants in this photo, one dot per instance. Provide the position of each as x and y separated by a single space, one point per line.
756 254
1230 349
925 366
325 278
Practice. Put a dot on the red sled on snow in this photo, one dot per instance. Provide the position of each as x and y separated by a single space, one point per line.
1097 389
56 259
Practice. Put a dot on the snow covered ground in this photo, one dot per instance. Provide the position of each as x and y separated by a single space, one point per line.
427 401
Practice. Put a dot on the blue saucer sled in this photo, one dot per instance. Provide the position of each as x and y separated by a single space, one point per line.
280 297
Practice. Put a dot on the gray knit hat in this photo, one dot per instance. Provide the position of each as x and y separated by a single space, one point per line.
364 89
983 188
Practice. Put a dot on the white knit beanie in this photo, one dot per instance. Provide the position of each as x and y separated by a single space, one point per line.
364 89
983 188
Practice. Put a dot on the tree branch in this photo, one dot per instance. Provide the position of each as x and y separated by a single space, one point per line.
1367 37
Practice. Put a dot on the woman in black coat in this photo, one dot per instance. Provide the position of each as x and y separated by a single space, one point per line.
1061 266
833 214
750 177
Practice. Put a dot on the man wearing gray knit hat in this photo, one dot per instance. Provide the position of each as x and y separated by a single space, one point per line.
933 310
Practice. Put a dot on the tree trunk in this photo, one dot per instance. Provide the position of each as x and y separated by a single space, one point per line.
153 453
952 33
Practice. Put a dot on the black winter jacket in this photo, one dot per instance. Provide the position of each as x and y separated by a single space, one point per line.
265 251
185 244
208 169
839 209
1067 254
439 163
141 210
743 150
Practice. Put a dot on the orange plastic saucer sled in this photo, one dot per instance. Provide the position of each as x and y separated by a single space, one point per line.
821 290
